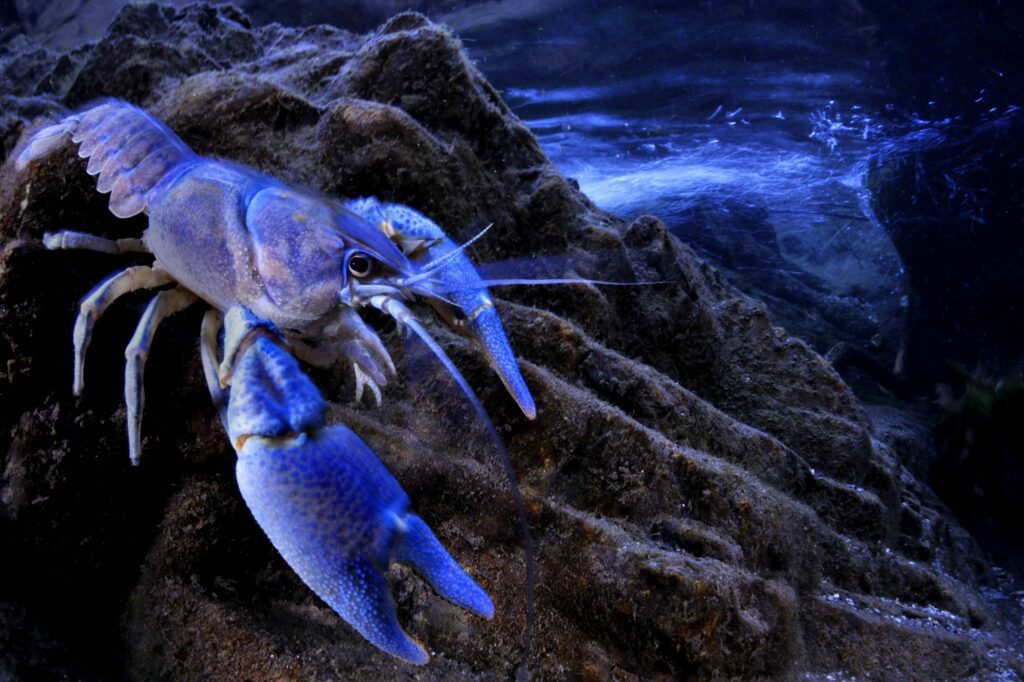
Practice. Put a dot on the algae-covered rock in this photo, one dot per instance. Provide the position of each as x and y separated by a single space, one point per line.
707 497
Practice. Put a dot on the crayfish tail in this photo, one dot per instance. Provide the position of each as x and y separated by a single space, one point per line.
131 151
45 142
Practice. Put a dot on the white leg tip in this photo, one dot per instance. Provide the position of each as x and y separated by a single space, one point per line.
362 381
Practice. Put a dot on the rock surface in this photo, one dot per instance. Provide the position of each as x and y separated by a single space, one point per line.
707 496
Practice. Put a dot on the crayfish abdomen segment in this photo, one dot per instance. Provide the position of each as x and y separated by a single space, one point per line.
133 153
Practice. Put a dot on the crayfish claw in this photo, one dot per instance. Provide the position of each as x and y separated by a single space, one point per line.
339 519
448 274
373 612
327 504
279 399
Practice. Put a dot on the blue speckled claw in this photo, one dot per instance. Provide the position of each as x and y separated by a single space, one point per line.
327 504
449 272
418 547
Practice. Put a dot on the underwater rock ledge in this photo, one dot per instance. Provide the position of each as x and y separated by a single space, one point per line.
707 495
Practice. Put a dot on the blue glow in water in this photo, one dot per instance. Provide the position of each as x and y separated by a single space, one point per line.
806 169
665 110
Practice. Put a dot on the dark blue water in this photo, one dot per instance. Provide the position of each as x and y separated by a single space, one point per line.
756 113
671 108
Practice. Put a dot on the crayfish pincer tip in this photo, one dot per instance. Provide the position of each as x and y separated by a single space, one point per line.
363 596
419 548
520 393
529 409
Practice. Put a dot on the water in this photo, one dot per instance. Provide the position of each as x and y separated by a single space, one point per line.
814 197
731 123
674 111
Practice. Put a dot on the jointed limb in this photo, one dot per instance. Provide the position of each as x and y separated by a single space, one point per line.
163 304
349 339
212 323
97 301
68 239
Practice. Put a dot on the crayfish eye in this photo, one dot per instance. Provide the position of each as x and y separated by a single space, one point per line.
360 265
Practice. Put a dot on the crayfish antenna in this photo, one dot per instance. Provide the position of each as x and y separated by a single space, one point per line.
441 261
547 270
558 280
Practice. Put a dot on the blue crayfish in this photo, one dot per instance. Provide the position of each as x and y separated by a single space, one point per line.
286 272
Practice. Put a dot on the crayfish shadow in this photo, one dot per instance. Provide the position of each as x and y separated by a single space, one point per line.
77 520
